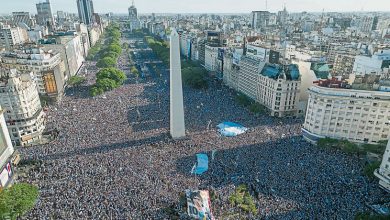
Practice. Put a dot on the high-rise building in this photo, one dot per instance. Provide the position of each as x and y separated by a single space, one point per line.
6 151
133 17
23 17
44 14
383 173
12 36
260 19
86 11
22 107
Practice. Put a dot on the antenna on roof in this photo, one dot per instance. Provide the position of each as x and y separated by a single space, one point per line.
266 5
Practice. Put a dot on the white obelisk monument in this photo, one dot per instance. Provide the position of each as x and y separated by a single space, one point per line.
177 108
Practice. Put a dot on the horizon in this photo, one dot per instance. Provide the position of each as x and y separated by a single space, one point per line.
213 7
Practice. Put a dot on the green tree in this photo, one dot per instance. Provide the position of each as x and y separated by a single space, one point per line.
17 200
195 77
76 80
106 84
115 48
106 62
112 54
95 91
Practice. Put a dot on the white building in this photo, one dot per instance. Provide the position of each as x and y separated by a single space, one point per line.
46 67
6 151
278 89
211 58
12 36
383 173
355 115
22 107
366 65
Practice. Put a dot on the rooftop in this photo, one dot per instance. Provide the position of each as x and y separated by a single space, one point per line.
275 71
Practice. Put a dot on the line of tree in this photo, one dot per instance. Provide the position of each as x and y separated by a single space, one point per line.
160 48
109 54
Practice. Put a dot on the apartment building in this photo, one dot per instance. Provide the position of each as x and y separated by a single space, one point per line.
250 69
355 115
22 107
46 67
278 89
12 36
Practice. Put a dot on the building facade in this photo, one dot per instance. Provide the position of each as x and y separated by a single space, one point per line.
355 115
44 14
22 107
12 36
23 17
278 89
133 17
250 69
86 11
383 173
6 152
260 19
45 66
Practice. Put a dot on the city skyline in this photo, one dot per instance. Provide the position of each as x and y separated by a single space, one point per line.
216 6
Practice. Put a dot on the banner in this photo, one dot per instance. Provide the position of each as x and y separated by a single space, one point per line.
199 205
274 57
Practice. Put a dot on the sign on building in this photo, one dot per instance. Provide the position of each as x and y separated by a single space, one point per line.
274 57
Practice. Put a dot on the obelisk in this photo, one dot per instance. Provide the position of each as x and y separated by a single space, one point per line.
177 108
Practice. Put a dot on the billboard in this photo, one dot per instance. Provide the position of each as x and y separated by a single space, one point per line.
257 52
199 205
221 53
274 57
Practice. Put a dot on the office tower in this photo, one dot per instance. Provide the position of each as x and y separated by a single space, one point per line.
177 108
260 19
85 8
23 17
44 14
133 17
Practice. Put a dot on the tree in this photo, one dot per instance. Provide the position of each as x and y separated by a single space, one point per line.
116 48
106 84
76 80
106 62
95 91
17 200
112 73
195 77
111 54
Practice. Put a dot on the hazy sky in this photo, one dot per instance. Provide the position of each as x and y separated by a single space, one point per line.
207 6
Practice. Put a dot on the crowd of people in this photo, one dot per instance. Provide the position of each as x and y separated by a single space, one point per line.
113 158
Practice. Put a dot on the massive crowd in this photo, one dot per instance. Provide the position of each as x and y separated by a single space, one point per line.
113 158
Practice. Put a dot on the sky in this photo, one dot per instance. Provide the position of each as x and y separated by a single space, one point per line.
202 6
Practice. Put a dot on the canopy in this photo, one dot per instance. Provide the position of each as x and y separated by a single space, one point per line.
230 129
